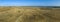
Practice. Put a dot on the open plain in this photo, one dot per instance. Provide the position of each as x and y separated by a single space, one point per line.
29 14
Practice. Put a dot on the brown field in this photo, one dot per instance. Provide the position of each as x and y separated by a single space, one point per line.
29 14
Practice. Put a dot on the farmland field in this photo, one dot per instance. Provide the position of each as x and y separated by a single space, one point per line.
29 14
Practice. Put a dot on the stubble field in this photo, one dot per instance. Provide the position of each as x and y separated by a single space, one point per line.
29 14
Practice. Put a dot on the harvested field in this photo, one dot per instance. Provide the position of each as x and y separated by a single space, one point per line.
27 14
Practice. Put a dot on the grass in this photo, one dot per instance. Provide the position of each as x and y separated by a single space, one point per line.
27 14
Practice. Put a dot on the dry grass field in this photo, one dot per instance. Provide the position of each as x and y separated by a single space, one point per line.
29 14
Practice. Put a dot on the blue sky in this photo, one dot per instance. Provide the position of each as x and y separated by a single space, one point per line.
29 2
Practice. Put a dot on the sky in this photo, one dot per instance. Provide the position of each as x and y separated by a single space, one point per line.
29 2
